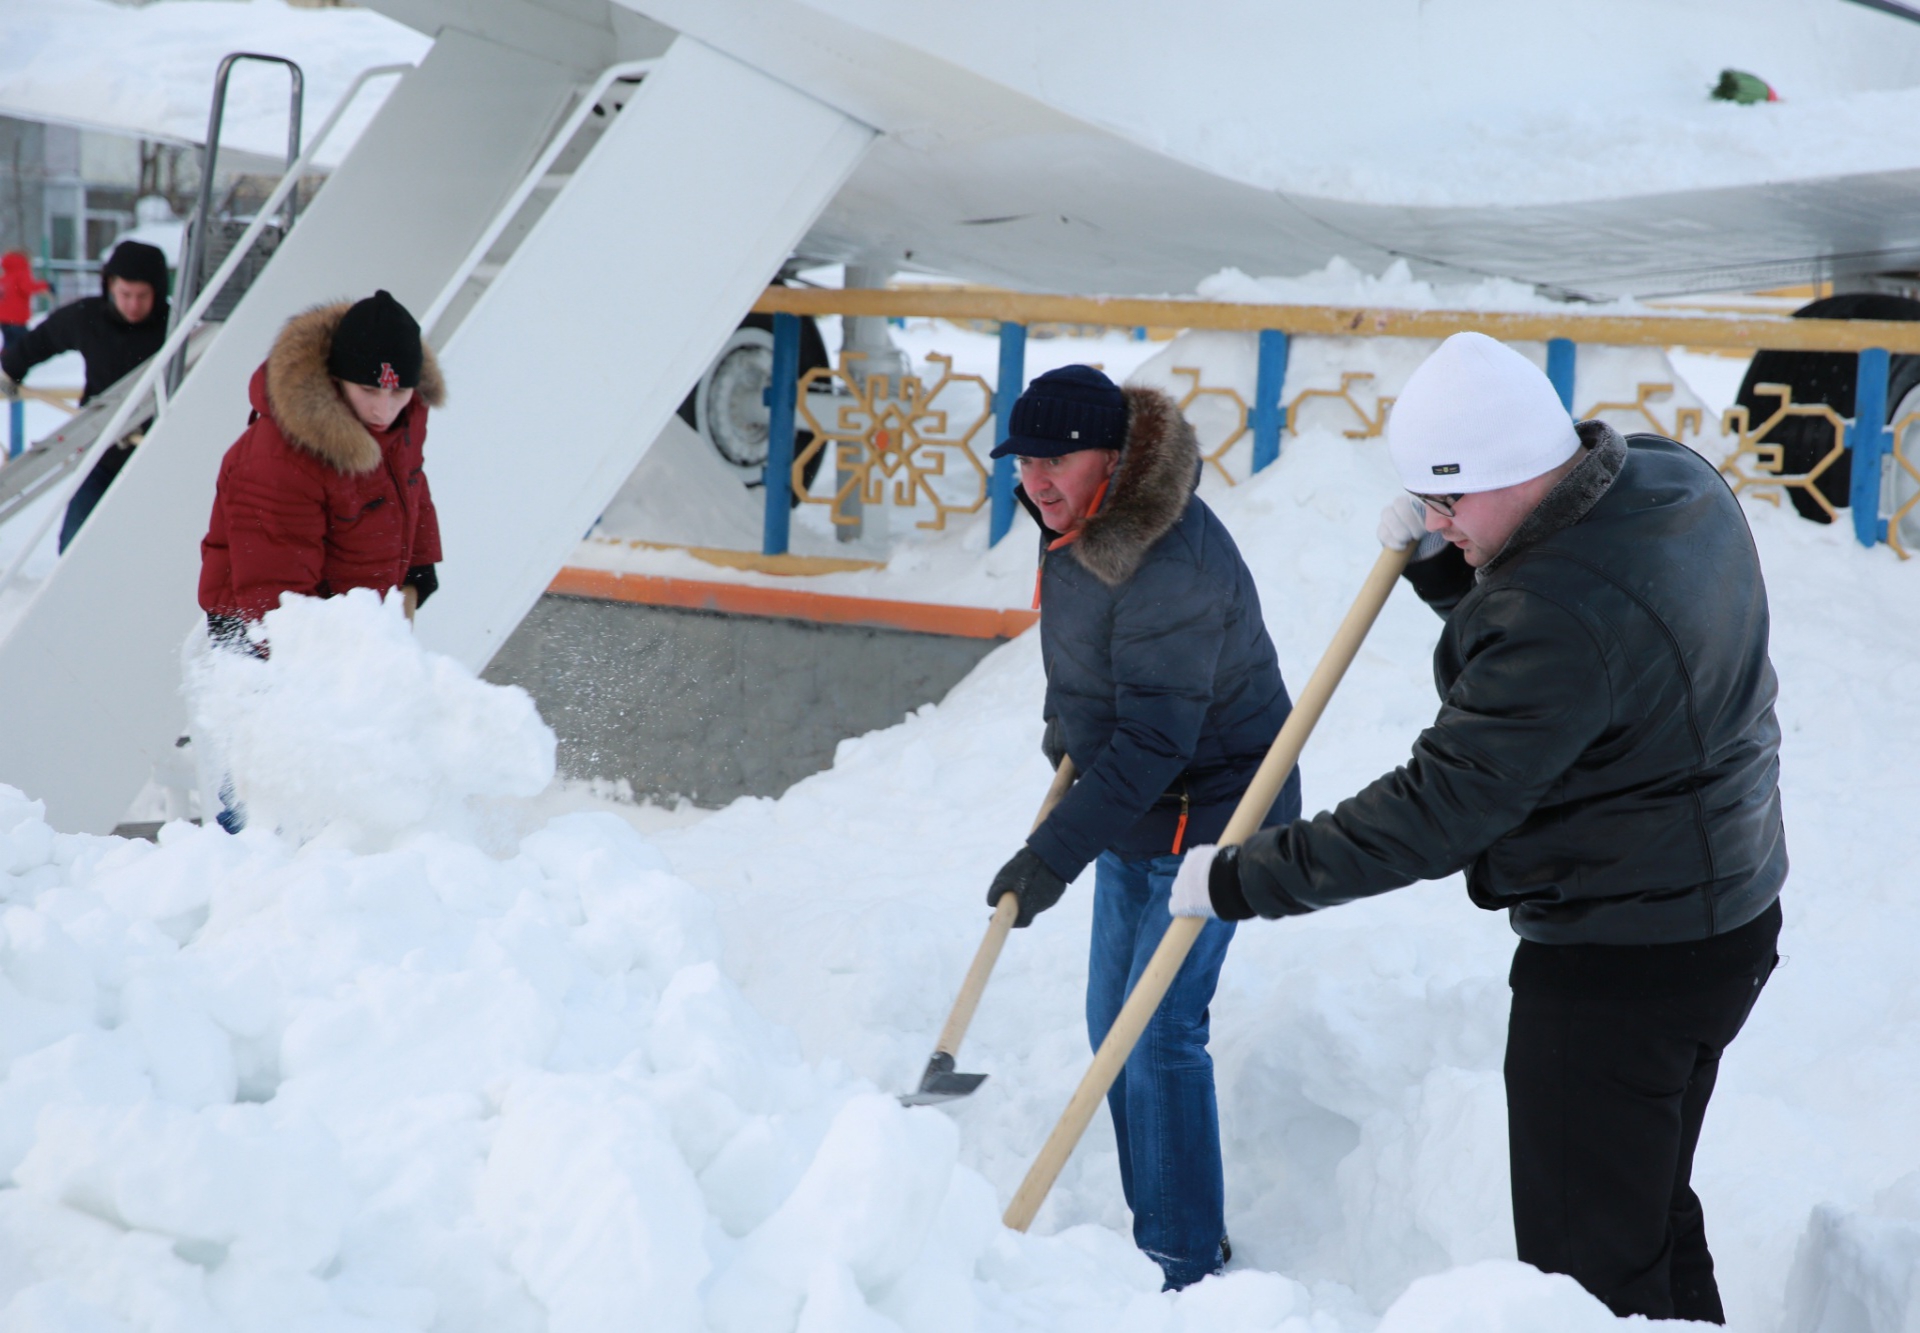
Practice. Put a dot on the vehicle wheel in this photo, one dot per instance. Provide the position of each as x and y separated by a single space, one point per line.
728 406
1826 377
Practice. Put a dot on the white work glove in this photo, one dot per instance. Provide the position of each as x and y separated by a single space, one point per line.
1190 896
1404 523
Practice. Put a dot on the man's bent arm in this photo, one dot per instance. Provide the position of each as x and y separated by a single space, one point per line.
1532 696
44 341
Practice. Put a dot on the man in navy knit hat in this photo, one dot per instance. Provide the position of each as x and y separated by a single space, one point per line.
1163 687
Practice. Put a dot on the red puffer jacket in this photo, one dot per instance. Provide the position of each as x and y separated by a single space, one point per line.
18 287
309 500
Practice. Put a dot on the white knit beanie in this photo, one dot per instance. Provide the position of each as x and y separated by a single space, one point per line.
1476 416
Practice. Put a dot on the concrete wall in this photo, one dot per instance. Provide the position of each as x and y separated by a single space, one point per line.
712 706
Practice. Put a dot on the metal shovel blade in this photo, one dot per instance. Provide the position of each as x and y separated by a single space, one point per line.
941 1084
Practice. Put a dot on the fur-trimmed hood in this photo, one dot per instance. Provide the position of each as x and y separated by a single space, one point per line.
1159 467
309 411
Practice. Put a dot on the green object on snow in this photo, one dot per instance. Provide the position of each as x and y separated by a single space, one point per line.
1736 85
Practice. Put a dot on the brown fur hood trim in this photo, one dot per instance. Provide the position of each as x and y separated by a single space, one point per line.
306 407
1158 470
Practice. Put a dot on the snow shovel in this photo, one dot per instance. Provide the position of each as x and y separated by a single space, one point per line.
1174 945
940 1083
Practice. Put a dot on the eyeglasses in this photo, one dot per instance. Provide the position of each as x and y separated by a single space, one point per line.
1439 504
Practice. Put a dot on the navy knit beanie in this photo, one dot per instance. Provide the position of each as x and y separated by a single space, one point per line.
1065 410
377 344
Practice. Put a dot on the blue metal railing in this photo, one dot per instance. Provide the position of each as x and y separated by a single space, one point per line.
1007 391
1868 438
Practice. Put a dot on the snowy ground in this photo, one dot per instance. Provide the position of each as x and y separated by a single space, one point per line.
458 1061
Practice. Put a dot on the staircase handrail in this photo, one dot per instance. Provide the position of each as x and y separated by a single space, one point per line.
477 254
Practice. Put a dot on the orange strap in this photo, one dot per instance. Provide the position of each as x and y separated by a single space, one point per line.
1099 496
1180 829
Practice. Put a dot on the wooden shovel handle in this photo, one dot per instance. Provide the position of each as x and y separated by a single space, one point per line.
1184 930
1004 912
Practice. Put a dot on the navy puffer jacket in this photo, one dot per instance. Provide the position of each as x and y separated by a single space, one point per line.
1161 681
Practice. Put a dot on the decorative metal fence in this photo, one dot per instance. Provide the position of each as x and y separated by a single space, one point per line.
919 445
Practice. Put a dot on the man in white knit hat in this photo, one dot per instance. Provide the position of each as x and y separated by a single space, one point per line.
1604 767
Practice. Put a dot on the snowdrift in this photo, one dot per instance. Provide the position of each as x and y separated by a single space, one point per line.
402 1057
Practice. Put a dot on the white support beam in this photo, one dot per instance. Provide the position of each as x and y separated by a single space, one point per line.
96 656
625 289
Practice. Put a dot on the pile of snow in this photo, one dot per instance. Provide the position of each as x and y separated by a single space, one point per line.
1343 283
511 1074
255 1083
343 727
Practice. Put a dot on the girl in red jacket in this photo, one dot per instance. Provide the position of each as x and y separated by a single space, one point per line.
18 287
325 491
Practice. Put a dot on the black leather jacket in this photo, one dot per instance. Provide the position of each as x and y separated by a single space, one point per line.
1605 762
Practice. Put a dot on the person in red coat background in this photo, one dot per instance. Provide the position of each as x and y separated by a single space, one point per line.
326 489
18 287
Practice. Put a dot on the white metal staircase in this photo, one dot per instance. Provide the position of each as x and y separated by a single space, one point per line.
474 196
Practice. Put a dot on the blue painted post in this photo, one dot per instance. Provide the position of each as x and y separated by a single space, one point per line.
1269 414
781 395
1013 379
1867 439
1560 369
17 432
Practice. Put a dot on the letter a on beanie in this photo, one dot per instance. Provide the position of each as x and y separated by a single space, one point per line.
1476 416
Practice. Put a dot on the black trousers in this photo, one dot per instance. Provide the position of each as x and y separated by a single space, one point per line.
1612 1052
88 493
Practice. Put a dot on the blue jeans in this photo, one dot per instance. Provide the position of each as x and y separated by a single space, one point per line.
1165 1118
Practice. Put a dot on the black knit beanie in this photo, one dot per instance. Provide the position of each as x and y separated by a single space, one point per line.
377 344
136 261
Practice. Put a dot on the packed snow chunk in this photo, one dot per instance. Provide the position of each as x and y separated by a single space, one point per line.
1859 1272
348 726
26 841
265 1184
638 916
1498 1296
591 1202
865 1206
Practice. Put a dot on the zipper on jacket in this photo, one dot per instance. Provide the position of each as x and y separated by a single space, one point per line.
1180 829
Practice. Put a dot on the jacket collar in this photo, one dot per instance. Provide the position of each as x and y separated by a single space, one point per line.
307 408
1573 498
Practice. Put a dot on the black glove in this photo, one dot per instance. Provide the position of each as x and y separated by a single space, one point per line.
230 633
424 581
1223 886
1027 876
1053 742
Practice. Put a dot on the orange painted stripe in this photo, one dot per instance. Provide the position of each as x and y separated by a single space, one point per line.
740 599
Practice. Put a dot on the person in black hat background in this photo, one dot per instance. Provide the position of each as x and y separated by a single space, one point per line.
1163 687
114 332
